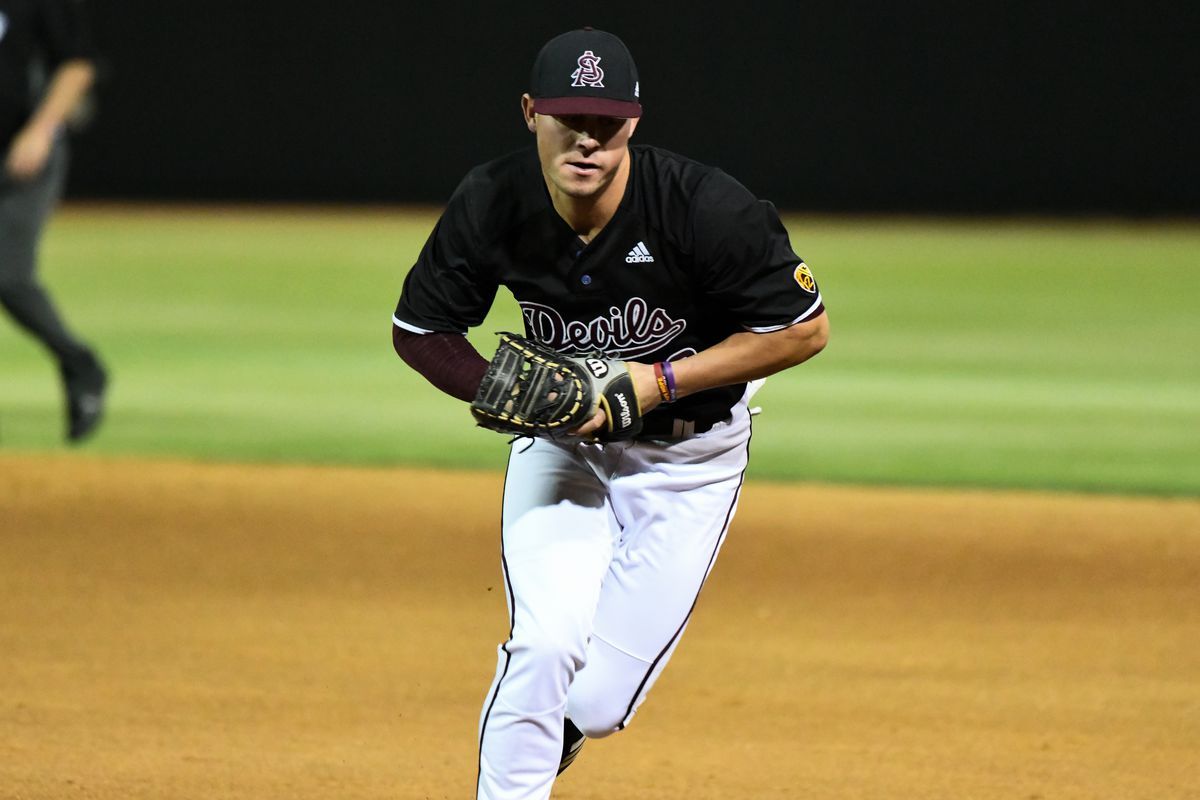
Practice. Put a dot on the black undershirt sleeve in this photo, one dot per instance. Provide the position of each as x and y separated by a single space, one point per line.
447 360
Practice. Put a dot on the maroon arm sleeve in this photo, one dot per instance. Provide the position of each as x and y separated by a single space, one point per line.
447 360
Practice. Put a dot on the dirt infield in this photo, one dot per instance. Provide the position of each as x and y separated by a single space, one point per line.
173 630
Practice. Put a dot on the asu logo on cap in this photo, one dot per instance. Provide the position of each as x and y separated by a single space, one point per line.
805 278
584 72
589 72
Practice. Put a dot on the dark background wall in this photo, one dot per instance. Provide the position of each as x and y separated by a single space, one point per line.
963 107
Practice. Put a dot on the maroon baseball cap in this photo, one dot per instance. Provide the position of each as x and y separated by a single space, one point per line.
585 72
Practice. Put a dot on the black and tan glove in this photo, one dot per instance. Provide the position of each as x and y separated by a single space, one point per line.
531 390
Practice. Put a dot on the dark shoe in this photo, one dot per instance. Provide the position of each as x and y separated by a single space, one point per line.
85 400
573 740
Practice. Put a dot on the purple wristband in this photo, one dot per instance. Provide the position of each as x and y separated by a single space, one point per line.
669 374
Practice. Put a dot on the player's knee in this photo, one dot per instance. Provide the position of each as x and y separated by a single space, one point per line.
14 283
547 652
595 714
10 291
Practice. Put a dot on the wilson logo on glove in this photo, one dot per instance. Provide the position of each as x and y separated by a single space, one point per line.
596 366
626 415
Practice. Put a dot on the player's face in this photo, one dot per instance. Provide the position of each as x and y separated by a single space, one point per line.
581 154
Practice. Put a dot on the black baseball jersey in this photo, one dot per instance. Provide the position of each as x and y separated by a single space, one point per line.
689 258
35 35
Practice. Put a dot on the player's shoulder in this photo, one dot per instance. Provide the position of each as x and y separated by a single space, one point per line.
513 176
664 175
672 188
506 171
499 194
667 170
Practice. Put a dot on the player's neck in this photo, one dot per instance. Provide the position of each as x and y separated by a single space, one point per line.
587 216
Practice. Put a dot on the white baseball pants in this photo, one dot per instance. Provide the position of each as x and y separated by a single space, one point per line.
605 549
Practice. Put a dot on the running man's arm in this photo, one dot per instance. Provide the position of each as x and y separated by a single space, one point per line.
31 146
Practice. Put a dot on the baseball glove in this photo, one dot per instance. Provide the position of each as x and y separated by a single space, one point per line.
531 390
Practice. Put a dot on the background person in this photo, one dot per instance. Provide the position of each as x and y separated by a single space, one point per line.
46 70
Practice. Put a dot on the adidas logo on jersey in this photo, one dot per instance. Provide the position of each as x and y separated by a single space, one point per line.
639 254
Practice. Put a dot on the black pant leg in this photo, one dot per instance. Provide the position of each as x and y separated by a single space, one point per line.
24 209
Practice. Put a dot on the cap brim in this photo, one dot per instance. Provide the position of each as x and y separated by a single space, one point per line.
600 106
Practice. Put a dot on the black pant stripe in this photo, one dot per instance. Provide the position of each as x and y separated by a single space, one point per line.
712 557
512 623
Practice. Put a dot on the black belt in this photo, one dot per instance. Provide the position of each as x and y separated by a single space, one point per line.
673 429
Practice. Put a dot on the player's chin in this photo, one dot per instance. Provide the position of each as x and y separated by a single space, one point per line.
582 186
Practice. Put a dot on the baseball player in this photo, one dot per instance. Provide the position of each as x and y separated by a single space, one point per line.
42 39
640 255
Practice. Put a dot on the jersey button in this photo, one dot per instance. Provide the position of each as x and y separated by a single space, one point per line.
586 280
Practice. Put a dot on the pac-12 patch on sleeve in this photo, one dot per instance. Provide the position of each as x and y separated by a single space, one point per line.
804 277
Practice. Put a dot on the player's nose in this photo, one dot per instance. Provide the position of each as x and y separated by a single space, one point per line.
587 141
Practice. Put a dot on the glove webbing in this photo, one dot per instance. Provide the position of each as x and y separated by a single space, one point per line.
535 387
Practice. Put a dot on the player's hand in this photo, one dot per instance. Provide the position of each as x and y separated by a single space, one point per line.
594 424
646 386
28 154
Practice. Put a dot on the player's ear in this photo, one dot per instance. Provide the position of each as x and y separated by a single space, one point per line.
633 124
527 110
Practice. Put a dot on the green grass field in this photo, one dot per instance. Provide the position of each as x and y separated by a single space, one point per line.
1059 355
